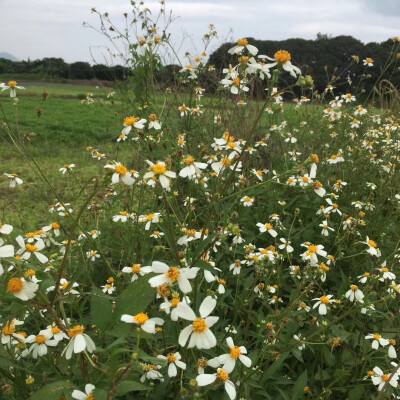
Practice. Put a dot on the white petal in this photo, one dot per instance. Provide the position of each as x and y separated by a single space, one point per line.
128 318
184 335
185 312
206 379
79 344
207 306
230 389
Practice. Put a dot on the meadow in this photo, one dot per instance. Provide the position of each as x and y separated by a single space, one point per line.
186 244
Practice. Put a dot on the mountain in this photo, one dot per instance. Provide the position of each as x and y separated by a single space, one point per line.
8 56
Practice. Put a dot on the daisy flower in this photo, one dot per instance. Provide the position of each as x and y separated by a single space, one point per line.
222 376
88 395
199 332
66 168
170 275
159 170
135 122
377 340
136 270
247 201
321 303
28 249
369 62
22 289
241 45
267 228
174 361
286 244
79 342
40 343
123 216
380 379
14 179
282 59
355 294
121 173
12 85
143 320
236 352
192 168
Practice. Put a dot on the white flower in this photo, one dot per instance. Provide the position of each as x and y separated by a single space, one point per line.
282 59
5 251
241 45
368 62
223 376
247 201
12 85
286 245
171 275
380 379
377 340
321 303
267 228
123 216
40 343
152 372
14 179
159 170
355 294
199 332
22 289
135 122
136 270
66 168
79 342
192 168
372 248
120 173
302 345
236 352
325 228
78 395
92 254
144 322
174 360
5 229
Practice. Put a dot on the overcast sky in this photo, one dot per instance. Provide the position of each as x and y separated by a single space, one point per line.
54 28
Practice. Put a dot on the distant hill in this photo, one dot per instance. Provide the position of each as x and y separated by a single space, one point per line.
8 56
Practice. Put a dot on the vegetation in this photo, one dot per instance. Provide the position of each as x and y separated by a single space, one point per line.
186 244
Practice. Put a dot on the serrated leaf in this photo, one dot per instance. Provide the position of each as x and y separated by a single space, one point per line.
134 299
300 384
130 386
101 310
54 390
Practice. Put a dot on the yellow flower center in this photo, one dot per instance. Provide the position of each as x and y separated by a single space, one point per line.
153 117
226 162
173 274
236 81
384 269
377 336
124 213
199 325
90 396
129 121
76 330
159 169
8 329
247 199
15 285
385 377
324 267
369 60
54 225
222 375
371 243
354 288
235 352
333 157
171 358
31 248
136 268
12 83
188 160
282 56
141 318
324 300
242 42
305 179
40 339
175 302
55 330
313 248
121 170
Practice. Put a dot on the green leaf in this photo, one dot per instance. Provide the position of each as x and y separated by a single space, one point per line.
301 383
357 392
54 391
203 245
101 309
130 386
275 366
134 299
